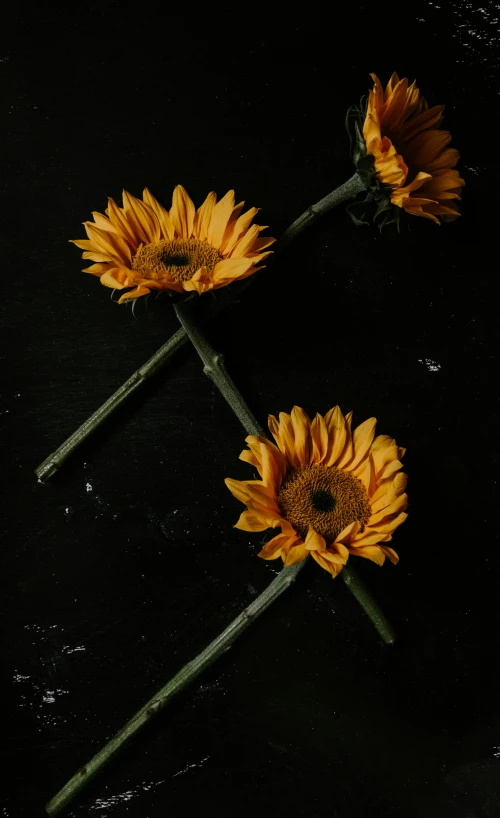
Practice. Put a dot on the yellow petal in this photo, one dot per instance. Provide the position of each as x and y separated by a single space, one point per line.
314 541
102 222
336 427
302 435
117 279
240 227
137 293
96 269
348 533
251 521
95 256
297 553
230 269
277 546
333 568
122 226
141 219
220 217
161 213
398 504
245 244
109 243
203 217
362 440
390 554
370 552
287 440
348 452
319 437
182 212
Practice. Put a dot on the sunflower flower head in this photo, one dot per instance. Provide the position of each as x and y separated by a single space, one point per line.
329 490
142 247
402 154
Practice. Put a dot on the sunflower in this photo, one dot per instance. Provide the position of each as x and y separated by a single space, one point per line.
331 491
144 246
410 149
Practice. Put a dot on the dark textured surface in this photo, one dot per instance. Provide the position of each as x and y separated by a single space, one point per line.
126 564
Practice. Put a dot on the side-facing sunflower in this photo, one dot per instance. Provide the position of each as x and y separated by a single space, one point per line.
402 137
331 491
144 246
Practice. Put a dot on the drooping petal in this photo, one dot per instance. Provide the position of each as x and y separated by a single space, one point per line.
314 541
137 293
295 554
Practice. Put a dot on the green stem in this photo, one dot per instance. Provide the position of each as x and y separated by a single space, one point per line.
369 605
52 463
214 368
184 677
349 190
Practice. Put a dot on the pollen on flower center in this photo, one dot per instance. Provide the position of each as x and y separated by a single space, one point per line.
324 497
177 259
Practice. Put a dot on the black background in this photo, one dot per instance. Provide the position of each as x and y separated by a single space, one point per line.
124 565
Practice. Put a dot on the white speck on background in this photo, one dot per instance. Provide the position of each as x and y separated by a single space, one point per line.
431 365
88 487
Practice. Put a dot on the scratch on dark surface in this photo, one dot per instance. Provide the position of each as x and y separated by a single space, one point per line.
191 766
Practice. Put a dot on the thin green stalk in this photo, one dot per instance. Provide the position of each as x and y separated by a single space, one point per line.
358 588
213 367
349 190
52 463
184 677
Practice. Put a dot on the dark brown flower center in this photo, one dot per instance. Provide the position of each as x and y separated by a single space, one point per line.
324 497
179 259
